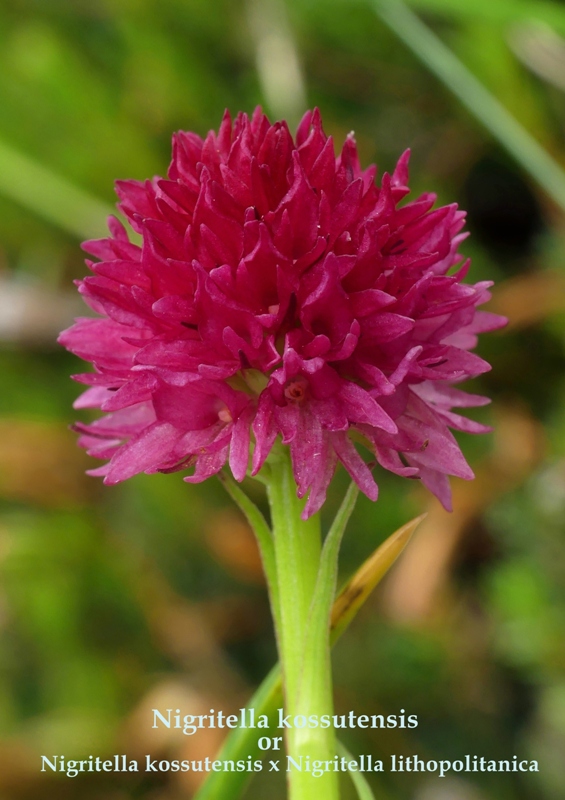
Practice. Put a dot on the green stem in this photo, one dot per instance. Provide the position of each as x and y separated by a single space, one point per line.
317 641
304 648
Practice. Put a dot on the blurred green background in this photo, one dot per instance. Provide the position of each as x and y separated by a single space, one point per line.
117 600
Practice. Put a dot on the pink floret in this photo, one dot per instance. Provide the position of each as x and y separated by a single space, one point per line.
279 293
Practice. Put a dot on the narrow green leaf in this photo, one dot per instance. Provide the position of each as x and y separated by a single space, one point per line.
55 199
482 104
364 791
262 533
500 11
332 542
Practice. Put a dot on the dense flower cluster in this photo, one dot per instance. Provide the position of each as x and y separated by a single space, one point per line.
279 292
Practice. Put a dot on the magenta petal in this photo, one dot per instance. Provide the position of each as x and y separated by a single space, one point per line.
144 452
438 483
288 420
433 445
460 423
390 460
355 465
136 391
305 451
100 341
93 397
445 396
322 478
361 407
98 472
207 465
239 447
384 327
265 430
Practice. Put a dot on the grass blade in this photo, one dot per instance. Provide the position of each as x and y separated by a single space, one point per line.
482 104
51 197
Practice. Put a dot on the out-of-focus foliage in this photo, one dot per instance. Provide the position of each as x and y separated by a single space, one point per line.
114 601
